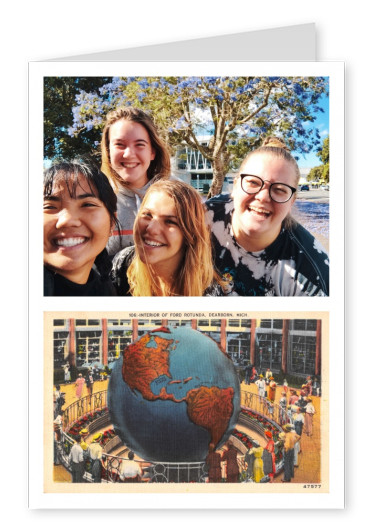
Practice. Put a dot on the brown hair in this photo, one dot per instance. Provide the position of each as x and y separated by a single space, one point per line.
196 272
275 147
159 167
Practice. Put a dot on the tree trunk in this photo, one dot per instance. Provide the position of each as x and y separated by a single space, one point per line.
220 167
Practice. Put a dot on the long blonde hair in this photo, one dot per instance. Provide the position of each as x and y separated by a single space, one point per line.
196 272
160 167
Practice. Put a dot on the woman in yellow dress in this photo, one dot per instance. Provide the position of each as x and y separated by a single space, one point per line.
258 465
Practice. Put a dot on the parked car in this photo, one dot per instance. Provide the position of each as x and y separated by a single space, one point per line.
304 188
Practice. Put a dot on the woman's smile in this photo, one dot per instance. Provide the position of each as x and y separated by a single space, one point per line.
161 242
76 230
258 211
152 243
131 152
68 243
257 219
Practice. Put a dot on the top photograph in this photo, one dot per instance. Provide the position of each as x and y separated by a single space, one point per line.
186 186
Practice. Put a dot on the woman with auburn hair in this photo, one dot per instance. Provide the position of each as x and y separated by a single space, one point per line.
172 253
133 157
259 247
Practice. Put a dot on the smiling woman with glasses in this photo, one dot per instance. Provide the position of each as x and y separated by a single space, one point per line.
260 249
278 192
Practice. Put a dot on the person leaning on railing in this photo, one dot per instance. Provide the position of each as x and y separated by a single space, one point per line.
76 460
130 471
96 456
289 438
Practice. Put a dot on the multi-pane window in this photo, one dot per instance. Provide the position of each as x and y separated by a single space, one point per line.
238 347
276 324
118 340
150 323
302 354
88 347
303 324
61 347
119 322
88 322
59 322
269 350
179 322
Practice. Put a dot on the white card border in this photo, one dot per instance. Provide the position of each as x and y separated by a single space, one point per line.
334 304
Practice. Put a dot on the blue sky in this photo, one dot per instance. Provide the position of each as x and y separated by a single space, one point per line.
322 123
310 160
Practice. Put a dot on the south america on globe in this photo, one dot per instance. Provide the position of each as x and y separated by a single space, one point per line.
172 393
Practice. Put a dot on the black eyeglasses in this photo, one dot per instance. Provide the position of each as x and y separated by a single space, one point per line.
278 192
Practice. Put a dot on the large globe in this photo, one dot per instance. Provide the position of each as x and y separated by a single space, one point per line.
173 393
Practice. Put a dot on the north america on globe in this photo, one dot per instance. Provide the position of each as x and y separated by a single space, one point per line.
173 393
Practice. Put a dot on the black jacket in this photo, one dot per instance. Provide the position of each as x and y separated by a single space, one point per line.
59 286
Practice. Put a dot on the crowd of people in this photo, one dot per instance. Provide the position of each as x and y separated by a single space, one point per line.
260 461
82 453
84 456
295 413
132 229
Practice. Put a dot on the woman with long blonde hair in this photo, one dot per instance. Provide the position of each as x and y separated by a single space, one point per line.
172 253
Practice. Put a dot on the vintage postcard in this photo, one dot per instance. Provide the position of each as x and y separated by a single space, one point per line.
186 402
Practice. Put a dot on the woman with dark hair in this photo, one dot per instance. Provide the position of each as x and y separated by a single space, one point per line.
134 156
79 209
172 253
259 247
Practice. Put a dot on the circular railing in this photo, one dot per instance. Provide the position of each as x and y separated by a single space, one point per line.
91 412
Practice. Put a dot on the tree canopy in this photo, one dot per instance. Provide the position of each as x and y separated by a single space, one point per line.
59 98
321 173
236 112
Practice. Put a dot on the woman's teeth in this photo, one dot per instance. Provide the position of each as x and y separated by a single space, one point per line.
69 242
153 244
259 211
